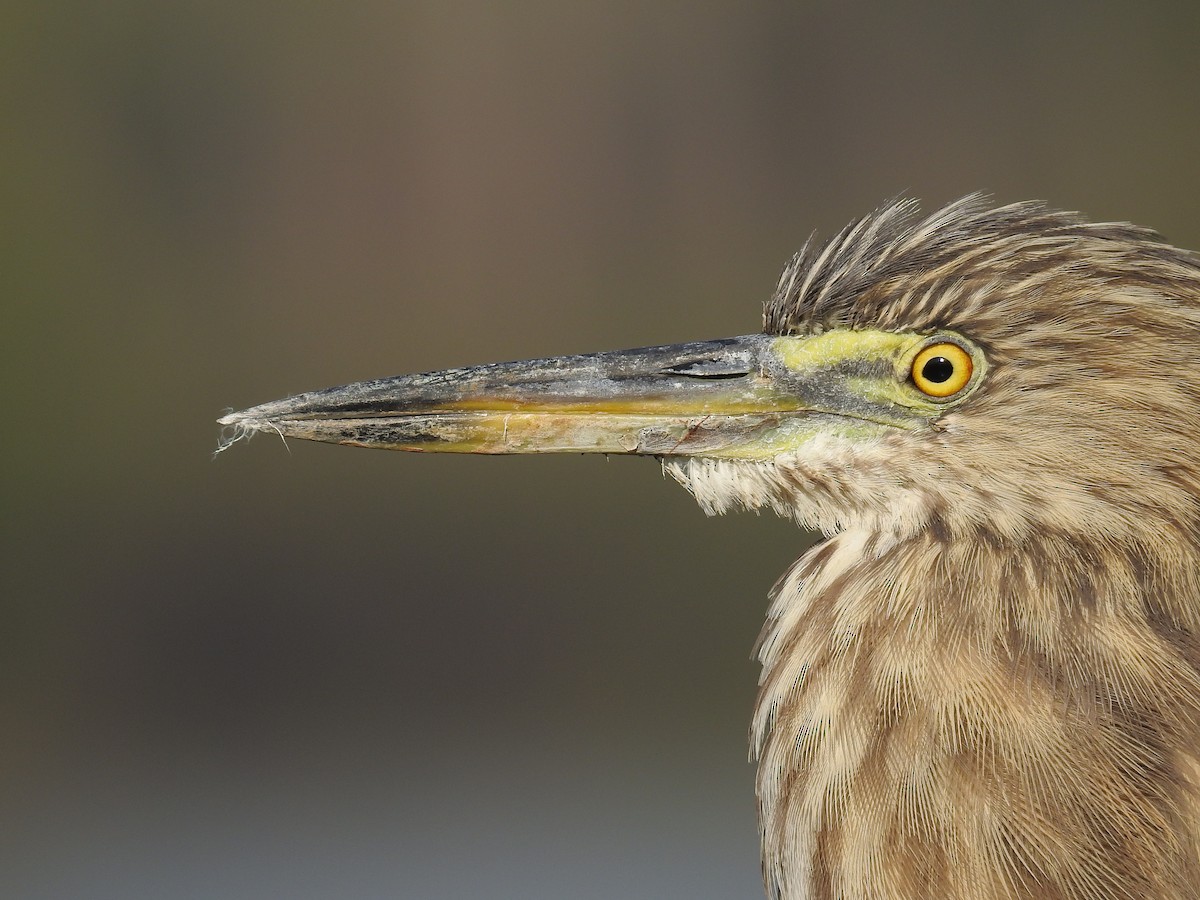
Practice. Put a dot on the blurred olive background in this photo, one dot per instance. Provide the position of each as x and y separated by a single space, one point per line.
322 672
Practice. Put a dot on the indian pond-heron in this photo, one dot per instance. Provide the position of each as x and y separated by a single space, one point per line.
985 682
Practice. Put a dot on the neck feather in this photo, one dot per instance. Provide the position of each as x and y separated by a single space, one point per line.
975 719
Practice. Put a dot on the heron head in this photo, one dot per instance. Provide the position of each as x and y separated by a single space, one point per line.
1010 370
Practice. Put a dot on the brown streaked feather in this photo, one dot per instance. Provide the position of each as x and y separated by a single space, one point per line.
916 730
986 683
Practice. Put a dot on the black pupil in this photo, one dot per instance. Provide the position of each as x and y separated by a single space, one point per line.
937 370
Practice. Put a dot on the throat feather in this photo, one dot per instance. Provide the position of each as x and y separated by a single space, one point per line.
967 719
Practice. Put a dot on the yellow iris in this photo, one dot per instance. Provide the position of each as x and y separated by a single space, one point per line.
942 370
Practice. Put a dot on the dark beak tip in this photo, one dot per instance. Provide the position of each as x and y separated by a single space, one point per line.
256 415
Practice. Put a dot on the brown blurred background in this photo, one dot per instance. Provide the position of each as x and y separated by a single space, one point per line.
334 673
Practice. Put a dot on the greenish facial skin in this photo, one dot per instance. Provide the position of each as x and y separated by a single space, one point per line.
752 397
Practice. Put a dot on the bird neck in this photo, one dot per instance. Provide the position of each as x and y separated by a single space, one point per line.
979 719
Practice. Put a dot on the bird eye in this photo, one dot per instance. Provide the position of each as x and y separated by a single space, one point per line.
941 370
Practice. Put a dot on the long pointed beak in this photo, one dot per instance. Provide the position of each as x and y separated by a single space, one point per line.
713 398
